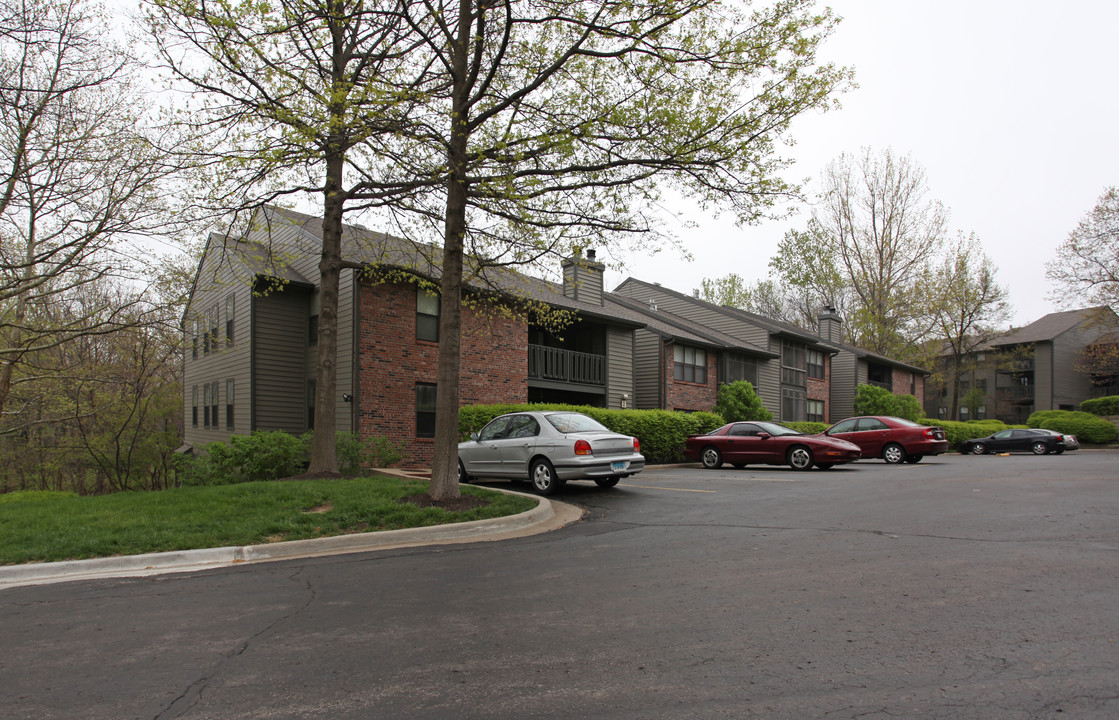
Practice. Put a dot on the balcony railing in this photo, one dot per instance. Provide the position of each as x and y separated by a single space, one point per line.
1017 395
548 363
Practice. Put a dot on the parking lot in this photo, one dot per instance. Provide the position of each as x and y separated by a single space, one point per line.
960 587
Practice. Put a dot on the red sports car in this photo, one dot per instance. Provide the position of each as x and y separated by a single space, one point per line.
765 443
891 438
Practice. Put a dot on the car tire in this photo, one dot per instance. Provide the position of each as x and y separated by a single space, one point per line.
1040 448
711 457
606 482
543 477
1058 451
800 458
913 459
825 466
463 478
978 449
893 453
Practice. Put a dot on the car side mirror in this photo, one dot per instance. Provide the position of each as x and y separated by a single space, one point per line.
764 435
474 436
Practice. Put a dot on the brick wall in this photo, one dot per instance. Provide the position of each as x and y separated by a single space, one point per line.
902 381
391 361
820 389
680 395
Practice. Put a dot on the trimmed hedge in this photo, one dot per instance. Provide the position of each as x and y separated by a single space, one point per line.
1085 426
661 432
1101 406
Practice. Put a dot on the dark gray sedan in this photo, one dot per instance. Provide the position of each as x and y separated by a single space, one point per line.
1039 442
548 448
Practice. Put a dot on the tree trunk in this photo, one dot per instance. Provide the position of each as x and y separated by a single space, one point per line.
444 464
323 456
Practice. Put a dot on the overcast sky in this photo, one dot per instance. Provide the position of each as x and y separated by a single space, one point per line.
1011 106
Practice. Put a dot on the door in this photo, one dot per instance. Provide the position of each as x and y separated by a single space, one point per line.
519 445
743 446
482 457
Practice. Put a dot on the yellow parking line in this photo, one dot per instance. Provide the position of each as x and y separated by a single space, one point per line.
653 487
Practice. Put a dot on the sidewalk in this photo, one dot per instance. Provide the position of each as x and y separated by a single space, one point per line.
546 516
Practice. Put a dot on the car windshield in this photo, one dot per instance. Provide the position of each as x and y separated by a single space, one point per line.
575 423
775 429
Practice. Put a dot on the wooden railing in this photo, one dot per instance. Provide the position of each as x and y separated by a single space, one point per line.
548 363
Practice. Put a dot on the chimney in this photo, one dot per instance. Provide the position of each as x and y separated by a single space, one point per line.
830 325
582 278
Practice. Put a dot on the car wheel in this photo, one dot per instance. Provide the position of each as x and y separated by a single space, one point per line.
825 466
1040 448
913 459
543 477
800 458
893 453
1058 451
462 476
711 458
606 482
978 449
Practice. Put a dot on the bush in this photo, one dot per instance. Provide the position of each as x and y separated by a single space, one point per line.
737 401
808 428
270 455
660 432
1101 406
1085 426
874 400
958 432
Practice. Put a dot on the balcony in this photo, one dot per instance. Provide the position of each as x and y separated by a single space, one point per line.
1021 395
567 366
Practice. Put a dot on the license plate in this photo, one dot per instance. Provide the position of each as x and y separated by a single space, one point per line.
618 466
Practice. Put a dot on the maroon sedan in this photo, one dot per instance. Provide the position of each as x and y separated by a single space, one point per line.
891 438
764 443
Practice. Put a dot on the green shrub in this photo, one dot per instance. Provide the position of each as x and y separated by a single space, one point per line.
737 401
808 428
1101 406
874 400
270 455
1085 426
661 432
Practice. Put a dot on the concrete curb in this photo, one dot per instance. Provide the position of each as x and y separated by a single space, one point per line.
546 516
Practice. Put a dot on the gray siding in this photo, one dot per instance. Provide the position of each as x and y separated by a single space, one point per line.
647 370
279 361
221 277
1070 385
619 367
1043 376
843 383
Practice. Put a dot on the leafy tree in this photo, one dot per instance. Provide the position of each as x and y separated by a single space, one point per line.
973 399
737 401
767 298
969 306
1086 269
517 131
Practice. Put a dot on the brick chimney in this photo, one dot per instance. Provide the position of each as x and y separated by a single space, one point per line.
830 325
582 278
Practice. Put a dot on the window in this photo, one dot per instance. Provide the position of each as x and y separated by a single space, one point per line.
194 340
815 360
792 365
206 405
229 404
427 315
214 404
814 410
194 406
792 404
229 320
313 330
689 364
425 410
214 315
739 367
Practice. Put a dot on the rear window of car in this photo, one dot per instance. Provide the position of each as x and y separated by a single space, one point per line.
574 422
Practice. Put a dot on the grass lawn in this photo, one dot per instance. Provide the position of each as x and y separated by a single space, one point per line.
51 526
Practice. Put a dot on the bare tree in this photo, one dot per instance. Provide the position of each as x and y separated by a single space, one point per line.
82 181
1086 269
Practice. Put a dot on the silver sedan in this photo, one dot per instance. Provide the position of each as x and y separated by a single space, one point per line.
548 448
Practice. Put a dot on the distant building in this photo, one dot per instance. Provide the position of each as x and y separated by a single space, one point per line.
1036 367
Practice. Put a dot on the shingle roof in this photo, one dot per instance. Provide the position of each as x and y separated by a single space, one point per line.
673 326
1048 327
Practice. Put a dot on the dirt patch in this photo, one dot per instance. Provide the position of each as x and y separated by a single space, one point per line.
459 504
319 509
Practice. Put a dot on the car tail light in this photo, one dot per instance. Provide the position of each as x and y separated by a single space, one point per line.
582 447
636 445
930 433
